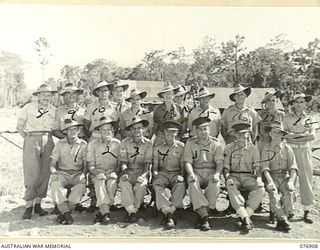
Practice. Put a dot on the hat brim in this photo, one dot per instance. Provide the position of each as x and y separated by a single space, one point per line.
267 98
51 91
268 128
247 91
144 122
142 95
94 91
175 91
71 126
182 93
212 95
242 131
113 124
308 98
124 86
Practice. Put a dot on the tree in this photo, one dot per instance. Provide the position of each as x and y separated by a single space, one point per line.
11 78
230 53
42 49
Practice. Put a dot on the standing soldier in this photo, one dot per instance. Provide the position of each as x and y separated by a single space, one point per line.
102 107
168 172
104 166
135 162
280 170
242 173
117 91
70 156
301 130
35 123
204 162
239 113
135 98
268 114
70 110
205 110
168 110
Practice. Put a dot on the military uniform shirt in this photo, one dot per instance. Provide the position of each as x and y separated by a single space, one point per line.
213 114
37 117
238 159
136 155
161 114
232 116
122 106
70 157
63 113
127 115
95 111
267 119
203 156
298 124
104 157
278 158
169 158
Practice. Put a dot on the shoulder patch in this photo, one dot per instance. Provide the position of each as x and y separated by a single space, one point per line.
127 139
180 143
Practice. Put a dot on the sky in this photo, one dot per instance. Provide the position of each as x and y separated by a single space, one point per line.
80 34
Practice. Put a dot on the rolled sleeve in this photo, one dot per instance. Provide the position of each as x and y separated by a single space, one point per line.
218 156
187 155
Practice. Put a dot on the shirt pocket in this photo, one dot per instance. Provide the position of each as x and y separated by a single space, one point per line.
283 160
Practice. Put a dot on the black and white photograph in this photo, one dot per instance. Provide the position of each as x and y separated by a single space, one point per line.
159 122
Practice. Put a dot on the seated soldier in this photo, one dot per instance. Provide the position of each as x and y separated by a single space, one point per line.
69 155
168 171
280 169
103 164
203 162
242 173
135 161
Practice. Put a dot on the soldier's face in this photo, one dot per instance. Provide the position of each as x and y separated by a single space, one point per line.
242 138
168 96
179 99
103 93
170 135
275 135
45 98
240 97
72 132
106 131
137 130
271 103
299 104
118 93
135 101
204 101
203 132
71 96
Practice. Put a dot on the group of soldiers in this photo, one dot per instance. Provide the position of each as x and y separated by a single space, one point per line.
119 144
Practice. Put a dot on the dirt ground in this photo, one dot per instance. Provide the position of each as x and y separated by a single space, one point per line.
12 208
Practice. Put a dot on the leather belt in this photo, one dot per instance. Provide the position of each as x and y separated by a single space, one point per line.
240 172
279 171
39 133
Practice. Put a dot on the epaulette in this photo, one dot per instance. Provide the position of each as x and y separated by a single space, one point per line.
180 143
128 138
115 140
213 138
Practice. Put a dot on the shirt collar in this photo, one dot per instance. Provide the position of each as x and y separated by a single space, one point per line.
77 141
245 107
